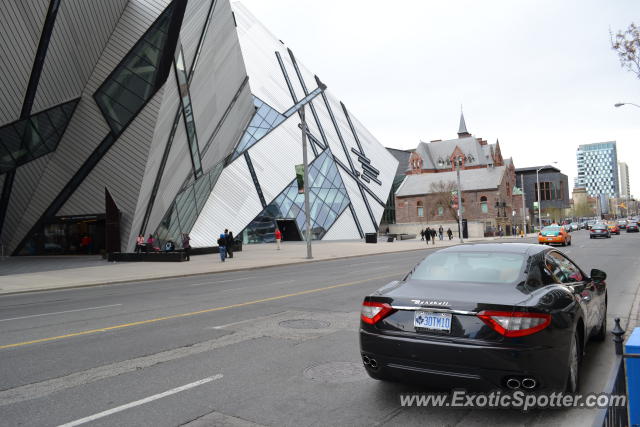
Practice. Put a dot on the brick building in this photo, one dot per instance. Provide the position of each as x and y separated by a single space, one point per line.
428 193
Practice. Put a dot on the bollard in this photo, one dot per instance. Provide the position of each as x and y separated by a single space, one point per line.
617 332
632 369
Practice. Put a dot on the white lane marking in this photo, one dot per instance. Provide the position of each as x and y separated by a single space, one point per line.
223 281
60 312
140 402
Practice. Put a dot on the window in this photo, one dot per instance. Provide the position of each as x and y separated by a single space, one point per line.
420 209
483 204
187 111
140 74
440 211
484 267
264 119
565 270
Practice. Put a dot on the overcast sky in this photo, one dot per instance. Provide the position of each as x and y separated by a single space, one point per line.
540 76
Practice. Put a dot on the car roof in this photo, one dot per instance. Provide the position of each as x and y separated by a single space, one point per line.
515 248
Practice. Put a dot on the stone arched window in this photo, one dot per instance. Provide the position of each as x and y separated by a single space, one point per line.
483 204
420 209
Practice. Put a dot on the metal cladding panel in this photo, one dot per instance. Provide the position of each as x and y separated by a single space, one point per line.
230 205
274 157
218 74
360 208
24 184
121 171
233 126
376 208
81 31
193 23
344 228
21 22
87 127
329 130
166 116
258 48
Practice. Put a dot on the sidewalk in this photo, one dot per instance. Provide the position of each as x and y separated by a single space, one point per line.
25 274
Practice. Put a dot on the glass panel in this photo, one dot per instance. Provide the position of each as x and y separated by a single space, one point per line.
265 119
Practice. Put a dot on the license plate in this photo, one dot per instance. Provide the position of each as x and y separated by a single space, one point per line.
432 321
549 238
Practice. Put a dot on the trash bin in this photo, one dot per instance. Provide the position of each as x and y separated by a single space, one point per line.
371 238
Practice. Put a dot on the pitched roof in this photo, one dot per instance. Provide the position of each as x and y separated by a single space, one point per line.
470 180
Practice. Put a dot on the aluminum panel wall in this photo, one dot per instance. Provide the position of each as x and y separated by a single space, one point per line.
358 204
344 228
229 206
81 31
24 184
21 23
195 18
274 157
121 171
87 127
218 75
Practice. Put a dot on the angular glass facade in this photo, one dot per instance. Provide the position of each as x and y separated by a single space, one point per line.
138 76
265 119
327 199
28 139
187 112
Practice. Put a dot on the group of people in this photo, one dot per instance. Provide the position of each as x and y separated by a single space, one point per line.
225 245
143 245
430 234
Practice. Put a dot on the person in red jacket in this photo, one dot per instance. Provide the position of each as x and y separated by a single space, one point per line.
278 238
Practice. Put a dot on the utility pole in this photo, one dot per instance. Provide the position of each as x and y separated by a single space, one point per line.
524 209
305 161
458 161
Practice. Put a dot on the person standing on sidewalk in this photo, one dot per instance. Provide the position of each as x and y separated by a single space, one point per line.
441 233
422 234
426 234
230 244
433 235
449 233
186 246
278 236
139 243
222 249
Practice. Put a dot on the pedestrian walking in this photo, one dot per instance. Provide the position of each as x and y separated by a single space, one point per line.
449 233
427 234
441 233
422 234
186 246
433 235
278 236
222 249
230 244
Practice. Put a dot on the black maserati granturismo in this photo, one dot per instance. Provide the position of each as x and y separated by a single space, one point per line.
488 316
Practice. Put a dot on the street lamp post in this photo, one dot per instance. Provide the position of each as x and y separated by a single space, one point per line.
305 161
620 104
458 161
524 208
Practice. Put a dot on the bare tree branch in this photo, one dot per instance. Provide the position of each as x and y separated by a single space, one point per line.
627 46
441 193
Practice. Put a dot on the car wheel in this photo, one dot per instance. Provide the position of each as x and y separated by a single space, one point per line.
602 332
591 237
574 365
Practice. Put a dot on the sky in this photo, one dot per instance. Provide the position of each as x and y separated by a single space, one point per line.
539 76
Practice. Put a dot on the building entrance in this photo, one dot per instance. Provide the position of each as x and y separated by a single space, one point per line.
73 235
289 230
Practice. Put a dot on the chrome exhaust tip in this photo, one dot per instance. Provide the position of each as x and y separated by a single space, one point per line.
513 383
373 363
529 383
365 360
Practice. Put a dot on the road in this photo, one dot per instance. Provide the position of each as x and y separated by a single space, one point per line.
273 346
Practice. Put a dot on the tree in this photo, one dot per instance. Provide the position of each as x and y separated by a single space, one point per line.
441 194
627 46
582 210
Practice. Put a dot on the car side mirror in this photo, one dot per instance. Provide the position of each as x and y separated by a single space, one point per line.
598 275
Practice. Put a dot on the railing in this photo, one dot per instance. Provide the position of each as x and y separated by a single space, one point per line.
615 416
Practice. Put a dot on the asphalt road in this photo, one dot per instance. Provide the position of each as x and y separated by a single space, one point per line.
275 346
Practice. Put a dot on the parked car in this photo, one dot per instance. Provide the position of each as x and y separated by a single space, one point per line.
613 228
632 227
554 234
599 230
502 315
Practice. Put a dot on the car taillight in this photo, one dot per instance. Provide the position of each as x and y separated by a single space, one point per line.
372 312
515 324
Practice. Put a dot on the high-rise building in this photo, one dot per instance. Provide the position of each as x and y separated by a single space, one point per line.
623 177
162 117
598 168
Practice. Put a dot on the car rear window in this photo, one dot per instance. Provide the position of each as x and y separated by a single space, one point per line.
486 267
599 227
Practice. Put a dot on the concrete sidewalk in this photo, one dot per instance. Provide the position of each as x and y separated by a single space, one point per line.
25 274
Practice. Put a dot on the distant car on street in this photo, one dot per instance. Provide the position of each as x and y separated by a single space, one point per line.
575 226
510 316
622 223
554 234
632 227
613 228
599 230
